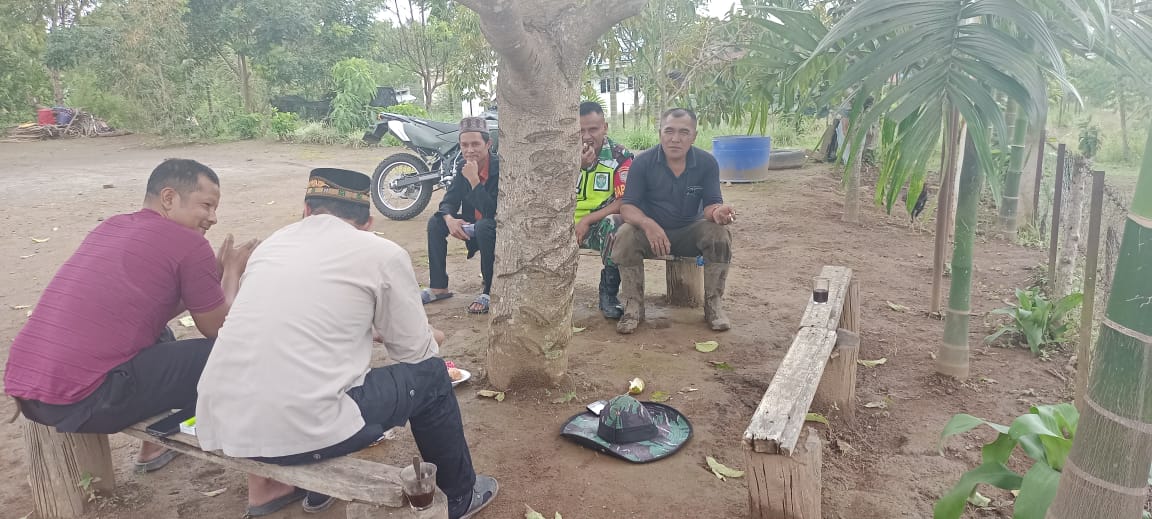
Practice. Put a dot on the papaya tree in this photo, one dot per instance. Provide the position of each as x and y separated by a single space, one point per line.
543 46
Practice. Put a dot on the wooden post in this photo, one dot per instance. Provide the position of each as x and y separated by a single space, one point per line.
438 510
1088 306
837 389
782 486
1039 175
1057 198
685 282
58 462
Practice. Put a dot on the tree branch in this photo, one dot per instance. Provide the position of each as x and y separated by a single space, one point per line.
503 26
608 14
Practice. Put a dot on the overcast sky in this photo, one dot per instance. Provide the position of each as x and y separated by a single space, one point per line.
719 8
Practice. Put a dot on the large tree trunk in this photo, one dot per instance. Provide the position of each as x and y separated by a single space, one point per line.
1072 213
542 46
1106 474
615 83
245 82
57 86
953 358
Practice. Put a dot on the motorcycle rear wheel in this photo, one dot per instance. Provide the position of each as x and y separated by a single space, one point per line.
408 202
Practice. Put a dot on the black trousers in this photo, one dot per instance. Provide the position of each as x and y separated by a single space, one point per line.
417 393
484 241
158 379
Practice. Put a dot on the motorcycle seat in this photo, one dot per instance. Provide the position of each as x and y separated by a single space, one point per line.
444 127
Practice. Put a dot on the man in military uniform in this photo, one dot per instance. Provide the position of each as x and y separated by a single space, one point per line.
603 173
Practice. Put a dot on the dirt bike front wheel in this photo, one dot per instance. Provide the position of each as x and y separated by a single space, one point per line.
406 202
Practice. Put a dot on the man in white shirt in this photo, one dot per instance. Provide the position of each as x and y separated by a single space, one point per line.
288 381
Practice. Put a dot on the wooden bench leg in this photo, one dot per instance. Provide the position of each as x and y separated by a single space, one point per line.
685 282
837 389
438 510
785 487
58 462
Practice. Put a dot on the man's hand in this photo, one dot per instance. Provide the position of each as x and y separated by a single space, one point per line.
235 259
724 215
225 248
588 156
657 239
582 228
456 225
472 173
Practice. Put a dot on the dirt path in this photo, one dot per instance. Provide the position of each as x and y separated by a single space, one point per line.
886 466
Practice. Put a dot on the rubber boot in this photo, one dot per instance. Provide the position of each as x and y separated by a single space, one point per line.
609 286
632 294
715 276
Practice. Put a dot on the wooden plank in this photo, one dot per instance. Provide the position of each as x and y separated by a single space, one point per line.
776 425
827 316
345 478
685 282
58 462
785 487
850 318
596 253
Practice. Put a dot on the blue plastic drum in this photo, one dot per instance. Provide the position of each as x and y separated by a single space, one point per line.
742 158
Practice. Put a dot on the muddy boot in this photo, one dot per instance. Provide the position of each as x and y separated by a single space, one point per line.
609 286
715 276
632 292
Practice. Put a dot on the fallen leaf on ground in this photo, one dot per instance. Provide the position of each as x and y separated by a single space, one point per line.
26 256
707 346
896 307
723 471
215 493
576 329
187 321
532 514
872 363
270 203
979 500
879 404
21 307
816 417
635 386
567 397
378 233
659 396
720 365
39 240
688 390
498 395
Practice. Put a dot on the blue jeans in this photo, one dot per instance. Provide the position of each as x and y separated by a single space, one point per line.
417 393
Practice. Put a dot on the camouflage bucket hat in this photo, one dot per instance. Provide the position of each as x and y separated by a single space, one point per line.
627 428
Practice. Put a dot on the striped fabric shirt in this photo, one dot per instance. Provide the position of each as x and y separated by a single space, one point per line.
110 300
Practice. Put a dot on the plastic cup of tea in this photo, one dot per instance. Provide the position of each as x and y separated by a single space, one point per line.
419 491
820 290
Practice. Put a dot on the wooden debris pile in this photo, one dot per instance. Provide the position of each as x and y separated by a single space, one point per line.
83 124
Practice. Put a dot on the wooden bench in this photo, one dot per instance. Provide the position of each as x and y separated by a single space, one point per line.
59 461
684 278
783 456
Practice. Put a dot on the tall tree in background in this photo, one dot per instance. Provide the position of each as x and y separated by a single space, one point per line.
650 40
543 47
22 77
423 42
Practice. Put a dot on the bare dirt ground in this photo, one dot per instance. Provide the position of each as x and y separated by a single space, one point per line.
887 465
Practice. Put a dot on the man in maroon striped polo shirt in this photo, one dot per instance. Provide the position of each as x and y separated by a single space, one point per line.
96 355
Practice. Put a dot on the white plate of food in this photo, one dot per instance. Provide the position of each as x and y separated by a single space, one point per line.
458 376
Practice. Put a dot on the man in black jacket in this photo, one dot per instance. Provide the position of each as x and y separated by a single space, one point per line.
467 213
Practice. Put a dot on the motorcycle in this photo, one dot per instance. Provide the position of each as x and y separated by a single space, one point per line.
402 184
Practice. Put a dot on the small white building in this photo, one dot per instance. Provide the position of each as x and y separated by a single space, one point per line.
623 82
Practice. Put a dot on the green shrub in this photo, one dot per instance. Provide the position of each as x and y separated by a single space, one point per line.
1045 436
355 88
247 126
1037 320
637 139
317 133
284 124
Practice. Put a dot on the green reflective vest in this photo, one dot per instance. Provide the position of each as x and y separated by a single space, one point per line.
595 187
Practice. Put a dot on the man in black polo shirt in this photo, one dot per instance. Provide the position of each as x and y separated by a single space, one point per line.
672 205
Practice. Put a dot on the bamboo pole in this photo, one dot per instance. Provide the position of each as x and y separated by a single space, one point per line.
1087 308
943 209
1057 198
1039 175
